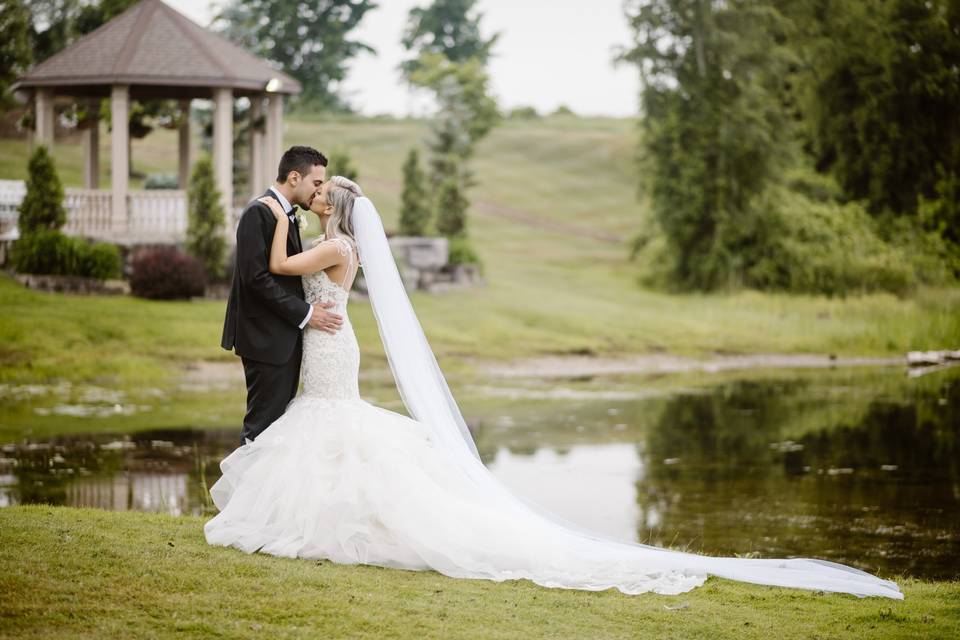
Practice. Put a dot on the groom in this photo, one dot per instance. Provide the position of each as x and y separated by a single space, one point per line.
266 312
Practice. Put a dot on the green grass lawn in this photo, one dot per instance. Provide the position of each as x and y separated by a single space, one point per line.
94 574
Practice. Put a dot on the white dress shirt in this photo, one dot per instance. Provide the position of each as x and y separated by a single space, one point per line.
288 208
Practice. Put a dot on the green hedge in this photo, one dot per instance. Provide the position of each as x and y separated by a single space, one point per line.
798 238
46 252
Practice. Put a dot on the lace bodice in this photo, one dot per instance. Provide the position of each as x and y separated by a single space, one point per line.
331 362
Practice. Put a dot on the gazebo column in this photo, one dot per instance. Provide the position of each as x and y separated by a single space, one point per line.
119 155
183 175
274 134
45 120
91 151
223 145
258 176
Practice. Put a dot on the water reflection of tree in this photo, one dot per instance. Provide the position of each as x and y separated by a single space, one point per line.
720 476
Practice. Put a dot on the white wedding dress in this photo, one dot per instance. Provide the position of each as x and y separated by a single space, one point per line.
340 479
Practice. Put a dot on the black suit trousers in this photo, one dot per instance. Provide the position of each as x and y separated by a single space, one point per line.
270 387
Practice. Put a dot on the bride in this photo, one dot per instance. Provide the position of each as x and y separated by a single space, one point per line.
340 479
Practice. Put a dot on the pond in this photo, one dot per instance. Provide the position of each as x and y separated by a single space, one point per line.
856 466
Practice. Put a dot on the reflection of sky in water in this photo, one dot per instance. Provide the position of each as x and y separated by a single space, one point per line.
590 485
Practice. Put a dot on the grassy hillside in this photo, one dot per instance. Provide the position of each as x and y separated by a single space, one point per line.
552 212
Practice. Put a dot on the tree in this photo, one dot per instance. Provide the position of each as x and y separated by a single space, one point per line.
57 19
205 239
310 40
452 207
414 206
42 206
879 94
463 88
714 129
450 28
341 165
450 61
15 46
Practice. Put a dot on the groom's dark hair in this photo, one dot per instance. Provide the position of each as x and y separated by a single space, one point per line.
300 159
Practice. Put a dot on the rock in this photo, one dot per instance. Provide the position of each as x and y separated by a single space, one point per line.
421 253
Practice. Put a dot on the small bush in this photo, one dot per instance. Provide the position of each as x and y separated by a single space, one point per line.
166 273
523 113
162 181
461 252
99 260
45 252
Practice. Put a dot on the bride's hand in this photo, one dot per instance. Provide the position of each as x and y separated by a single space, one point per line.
275 207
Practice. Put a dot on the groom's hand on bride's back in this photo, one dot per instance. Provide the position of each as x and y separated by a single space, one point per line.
324 320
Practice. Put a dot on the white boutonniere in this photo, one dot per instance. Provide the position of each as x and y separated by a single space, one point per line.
301 221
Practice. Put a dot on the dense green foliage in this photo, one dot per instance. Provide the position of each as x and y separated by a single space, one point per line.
462 252
450 28
713 127
451 208
206 220
15 46
47 252
310 40
414 205
879 93
42 206
740 96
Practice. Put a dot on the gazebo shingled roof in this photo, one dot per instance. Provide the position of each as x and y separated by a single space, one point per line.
157 52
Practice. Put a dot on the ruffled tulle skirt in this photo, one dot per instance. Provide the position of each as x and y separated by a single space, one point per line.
353 483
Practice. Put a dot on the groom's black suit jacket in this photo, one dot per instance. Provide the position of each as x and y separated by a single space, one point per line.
265 310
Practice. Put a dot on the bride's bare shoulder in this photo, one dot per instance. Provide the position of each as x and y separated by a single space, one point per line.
343 246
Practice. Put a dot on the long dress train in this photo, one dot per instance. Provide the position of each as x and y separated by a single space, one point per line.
340 479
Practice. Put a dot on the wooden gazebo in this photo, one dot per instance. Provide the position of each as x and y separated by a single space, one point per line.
148 52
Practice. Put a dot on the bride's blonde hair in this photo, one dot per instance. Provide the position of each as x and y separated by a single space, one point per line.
341 194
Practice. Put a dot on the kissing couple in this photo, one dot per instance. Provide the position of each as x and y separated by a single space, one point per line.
323 474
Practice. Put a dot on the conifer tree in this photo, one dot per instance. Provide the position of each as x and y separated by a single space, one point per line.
415 209
205 239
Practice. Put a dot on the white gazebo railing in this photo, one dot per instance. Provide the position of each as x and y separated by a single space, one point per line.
153 217
160 215
89 213
11 195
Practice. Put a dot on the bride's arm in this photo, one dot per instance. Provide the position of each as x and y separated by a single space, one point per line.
322 256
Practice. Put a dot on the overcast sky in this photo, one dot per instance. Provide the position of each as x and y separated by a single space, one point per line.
549 53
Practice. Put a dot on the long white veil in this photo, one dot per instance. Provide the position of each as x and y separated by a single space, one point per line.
428 400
